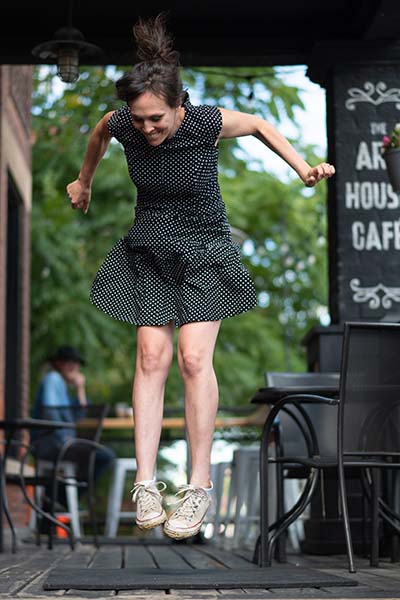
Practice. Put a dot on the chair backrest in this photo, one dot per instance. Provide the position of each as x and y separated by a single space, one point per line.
323 418
369 413
94 413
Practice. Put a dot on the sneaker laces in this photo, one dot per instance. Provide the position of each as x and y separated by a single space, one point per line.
188 505
151 499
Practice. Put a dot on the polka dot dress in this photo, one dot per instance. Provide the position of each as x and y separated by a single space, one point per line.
178 261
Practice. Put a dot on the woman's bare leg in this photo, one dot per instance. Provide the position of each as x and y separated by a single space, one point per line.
153 360
196 343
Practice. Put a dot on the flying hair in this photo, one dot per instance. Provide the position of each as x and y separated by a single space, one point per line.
158 71
153 42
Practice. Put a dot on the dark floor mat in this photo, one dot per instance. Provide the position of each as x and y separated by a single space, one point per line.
162 579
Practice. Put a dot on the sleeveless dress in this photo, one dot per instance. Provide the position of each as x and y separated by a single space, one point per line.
178 261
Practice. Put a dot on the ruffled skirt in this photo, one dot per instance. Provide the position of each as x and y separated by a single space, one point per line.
171 266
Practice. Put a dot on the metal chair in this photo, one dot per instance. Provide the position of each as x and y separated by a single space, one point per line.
66 466
368 433
289 441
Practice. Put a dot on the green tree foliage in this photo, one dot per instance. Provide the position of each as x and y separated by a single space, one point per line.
283 223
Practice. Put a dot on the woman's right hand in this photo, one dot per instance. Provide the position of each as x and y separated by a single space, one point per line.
79 195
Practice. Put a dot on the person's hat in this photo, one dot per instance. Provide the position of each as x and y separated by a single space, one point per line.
67 353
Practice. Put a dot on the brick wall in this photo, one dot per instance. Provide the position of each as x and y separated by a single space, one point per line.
15 173
15 163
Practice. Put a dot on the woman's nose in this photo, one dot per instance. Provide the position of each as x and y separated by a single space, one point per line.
147 127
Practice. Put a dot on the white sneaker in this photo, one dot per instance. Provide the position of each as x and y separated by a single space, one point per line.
149 509
188 518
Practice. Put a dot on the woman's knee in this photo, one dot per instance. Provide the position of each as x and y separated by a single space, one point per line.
154 355
192 364
153 359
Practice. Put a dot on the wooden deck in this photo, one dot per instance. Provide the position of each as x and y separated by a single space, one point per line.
23 574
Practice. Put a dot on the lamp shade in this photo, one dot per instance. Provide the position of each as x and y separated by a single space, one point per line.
66 47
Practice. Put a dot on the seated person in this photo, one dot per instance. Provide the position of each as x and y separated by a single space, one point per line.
55 402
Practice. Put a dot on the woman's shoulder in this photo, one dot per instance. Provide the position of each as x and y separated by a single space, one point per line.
122 112
205 118
120 124
202 111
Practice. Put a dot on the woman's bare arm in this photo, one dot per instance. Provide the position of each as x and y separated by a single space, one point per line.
237 124
79 191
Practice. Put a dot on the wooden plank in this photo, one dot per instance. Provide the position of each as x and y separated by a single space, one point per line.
15 578
248 556
300 593
360 589
391 571
35 587
8 560
226 558
146 595
243 553
78 557
165 558
82 556
246 593
324 561
143 593
366 592
363 577
138 557
133 595
192 594
319 595
107 556
197 560
89 593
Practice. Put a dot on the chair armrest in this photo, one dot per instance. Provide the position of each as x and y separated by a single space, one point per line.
76 442
295 400
311 398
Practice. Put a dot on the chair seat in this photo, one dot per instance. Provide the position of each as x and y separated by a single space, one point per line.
13 467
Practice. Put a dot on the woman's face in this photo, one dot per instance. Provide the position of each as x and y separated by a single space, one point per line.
154 118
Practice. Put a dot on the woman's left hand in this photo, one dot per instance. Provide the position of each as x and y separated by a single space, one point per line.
321 171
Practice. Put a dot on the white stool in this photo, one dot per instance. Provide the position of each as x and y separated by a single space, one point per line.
214 519
243 510
122 466
243 503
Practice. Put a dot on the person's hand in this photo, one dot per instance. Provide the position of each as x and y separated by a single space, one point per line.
316 174
77 380
79 195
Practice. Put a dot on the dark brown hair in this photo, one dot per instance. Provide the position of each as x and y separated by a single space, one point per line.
159 70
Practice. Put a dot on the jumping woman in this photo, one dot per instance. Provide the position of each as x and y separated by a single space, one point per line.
177 267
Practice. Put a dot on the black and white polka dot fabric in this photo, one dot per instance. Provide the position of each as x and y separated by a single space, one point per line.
178 261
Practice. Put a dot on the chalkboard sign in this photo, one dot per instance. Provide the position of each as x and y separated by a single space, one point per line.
364 215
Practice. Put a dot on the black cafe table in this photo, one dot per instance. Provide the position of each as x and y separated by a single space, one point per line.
271 395
10 428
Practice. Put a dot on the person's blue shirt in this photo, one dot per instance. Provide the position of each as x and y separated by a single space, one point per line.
53 402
